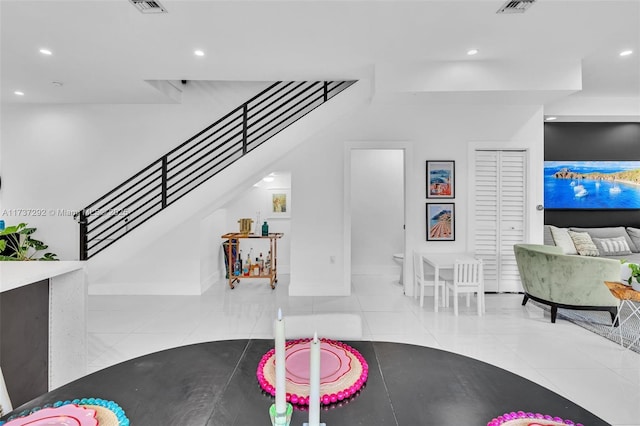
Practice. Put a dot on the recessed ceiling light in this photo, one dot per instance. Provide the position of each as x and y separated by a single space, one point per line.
198 52
46 52
472 52
551 118
626 52
18 93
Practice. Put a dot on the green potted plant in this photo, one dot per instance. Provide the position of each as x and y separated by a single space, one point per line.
634 274
634 278
16 243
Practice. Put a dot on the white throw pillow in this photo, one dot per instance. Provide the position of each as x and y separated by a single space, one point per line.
612 246
634 234
562 239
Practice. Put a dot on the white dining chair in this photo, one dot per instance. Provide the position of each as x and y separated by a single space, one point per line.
420 279
468 277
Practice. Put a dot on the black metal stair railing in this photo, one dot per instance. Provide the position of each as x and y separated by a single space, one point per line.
198 159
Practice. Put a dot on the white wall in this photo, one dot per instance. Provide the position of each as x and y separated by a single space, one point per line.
84 150
211 257
440 132
190 212
189 258
148 272
66 156
377 210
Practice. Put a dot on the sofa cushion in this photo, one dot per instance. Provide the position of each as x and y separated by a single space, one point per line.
562 239
634 234
612 246
608 232
547 237
584 244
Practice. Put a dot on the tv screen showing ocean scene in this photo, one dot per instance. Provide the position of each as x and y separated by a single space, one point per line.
592 185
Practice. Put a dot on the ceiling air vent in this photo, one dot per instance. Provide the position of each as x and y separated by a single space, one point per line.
515 6
148 6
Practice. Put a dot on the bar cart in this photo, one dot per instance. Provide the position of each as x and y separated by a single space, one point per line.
232 245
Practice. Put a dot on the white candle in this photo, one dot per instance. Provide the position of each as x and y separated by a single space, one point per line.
314 382
281 393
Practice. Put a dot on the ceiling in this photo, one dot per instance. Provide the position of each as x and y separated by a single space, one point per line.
105 51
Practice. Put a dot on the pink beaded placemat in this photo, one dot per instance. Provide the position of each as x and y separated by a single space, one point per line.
66 415
520 418
76 412
343 371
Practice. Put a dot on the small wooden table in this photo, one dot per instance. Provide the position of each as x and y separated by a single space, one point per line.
626 295
234 241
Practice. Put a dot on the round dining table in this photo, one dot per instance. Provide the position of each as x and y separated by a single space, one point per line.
215 383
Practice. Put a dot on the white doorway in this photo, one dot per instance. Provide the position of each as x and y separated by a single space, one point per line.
376 205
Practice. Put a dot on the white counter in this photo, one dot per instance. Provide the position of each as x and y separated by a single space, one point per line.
16 274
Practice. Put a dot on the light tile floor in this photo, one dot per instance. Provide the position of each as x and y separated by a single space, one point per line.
585 368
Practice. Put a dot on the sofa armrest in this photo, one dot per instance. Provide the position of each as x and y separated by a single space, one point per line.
566 279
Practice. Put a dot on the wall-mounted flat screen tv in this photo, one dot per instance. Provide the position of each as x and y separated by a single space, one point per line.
592 185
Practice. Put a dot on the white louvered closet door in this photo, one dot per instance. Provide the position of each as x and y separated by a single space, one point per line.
499 197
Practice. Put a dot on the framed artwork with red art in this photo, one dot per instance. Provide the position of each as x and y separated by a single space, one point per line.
440 179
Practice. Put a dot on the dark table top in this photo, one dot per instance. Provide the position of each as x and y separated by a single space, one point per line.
215 383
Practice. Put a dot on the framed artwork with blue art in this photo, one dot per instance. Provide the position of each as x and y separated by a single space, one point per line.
592 185
440 179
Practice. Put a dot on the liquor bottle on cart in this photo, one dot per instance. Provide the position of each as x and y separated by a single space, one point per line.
236 267
267 263
246 271
261 263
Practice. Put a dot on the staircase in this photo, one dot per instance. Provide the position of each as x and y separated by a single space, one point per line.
197 160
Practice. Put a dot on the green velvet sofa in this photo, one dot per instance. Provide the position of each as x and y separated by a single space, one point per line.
566 281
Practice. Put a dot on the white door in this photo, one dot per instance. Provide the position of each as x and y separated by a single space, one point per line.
499 201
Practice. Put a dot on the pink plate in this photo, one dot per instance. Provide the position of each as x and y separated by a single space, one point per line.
66 415
334 362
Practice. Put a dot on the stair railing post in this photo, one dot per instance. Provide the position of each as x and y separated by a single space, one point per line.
84 243
164 182
326 91
245 110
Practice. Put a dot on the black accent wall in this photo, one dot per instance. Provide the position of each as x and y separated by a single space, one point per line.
588 142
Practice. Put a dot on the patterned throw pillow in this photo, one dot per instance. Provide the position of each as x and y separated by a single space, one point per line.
612 246
608 232
584 244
